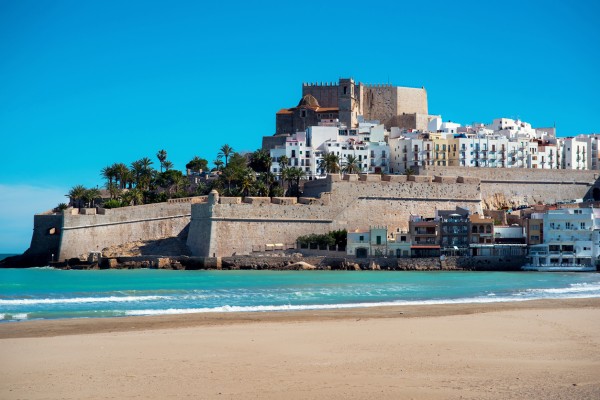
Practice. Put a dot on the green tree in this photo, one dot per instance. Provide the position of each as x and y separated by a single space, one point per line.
293 176
260 161
122 175
113 190
351 165
109 173
168 165
90 196
225 151
76 195
197 164
133 197
162 157
330 163
409 172
218 164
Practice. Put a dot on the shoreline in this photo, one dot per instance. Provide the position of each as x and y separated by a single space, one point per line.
539 350
86 326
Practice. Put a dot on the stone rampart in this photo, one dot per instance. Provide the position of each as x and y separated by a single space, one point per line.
83 233
220 229
507 187
45 241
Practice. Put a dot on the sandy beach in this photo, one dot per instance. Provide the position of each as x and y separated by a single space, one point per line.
546 349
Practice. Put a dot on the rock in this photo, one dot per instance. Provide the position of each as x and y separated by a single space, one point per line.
301 265
163 263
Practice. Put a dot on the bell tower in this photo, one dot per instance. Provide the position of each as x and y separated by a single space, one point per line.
347 102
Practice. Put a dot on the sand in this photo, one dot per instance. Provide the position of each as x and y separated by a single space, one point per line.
526 350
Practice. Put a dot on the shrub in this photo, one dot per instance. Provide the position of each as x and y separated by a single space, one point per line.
112 203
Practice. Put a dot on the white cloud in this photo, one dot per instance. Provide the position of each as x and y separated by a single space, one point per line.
18 204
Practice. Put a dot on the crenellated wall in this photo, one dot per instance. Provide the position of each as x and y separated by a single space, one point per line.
516 186
82 233
223 227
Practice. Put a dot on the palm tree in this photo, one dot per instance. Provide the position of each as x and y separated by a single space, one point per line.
352 165
283 164
218 164
168 165
260 161
330 163
162 157
108 173
409 172
179 183
225 151
90 195
247 182
76 194
146 173
297 174
122 174
114 190
133 197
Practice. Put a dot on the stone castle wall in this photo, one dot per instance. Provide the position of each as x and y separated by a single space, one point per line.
45 240
82 233
382 102
327 94
518 186
355 202
223 227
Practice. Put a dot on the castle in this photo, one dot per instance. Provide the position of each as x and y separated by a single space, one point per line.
348 100
329 118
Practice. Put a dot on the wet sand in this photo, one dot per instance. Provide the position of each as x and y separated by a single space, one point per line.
546 349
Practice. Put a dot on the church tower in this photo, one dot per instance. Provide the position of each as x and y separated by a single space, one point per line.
348 102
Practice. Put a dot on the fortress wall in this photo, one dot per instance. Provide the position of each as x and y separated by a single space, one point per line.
509 194
411 100
514 174
326 95
379 102
223 229
516 186
45 240
82 233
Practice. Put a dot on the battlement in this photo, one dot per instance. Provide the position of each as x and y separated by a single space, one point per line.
320 84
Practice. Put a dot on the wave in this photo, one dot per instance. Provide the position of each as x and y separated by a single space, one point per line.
74 300
574 288
14 317
291 307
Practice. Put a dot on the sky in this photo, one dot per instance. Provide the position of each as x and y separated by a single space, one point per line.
87 84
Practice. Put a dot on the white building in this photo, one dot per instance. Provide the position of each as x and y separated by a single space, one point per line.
571 236
573 153
375 242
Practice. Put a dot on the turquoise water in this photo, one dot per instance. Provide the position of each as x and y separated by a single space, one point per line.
45 293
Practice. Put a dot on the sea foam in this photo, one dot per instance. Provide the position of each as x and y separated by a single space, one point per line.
75 300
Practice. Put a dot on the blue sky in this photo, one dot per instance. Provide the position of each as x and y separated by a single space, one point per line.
87 84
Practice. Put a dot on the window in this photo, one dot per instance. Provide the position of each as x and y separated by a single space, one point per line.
582 225
361 238
378 239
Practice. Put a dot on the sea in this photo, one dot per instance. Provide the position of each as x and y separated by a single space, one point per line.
47 293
